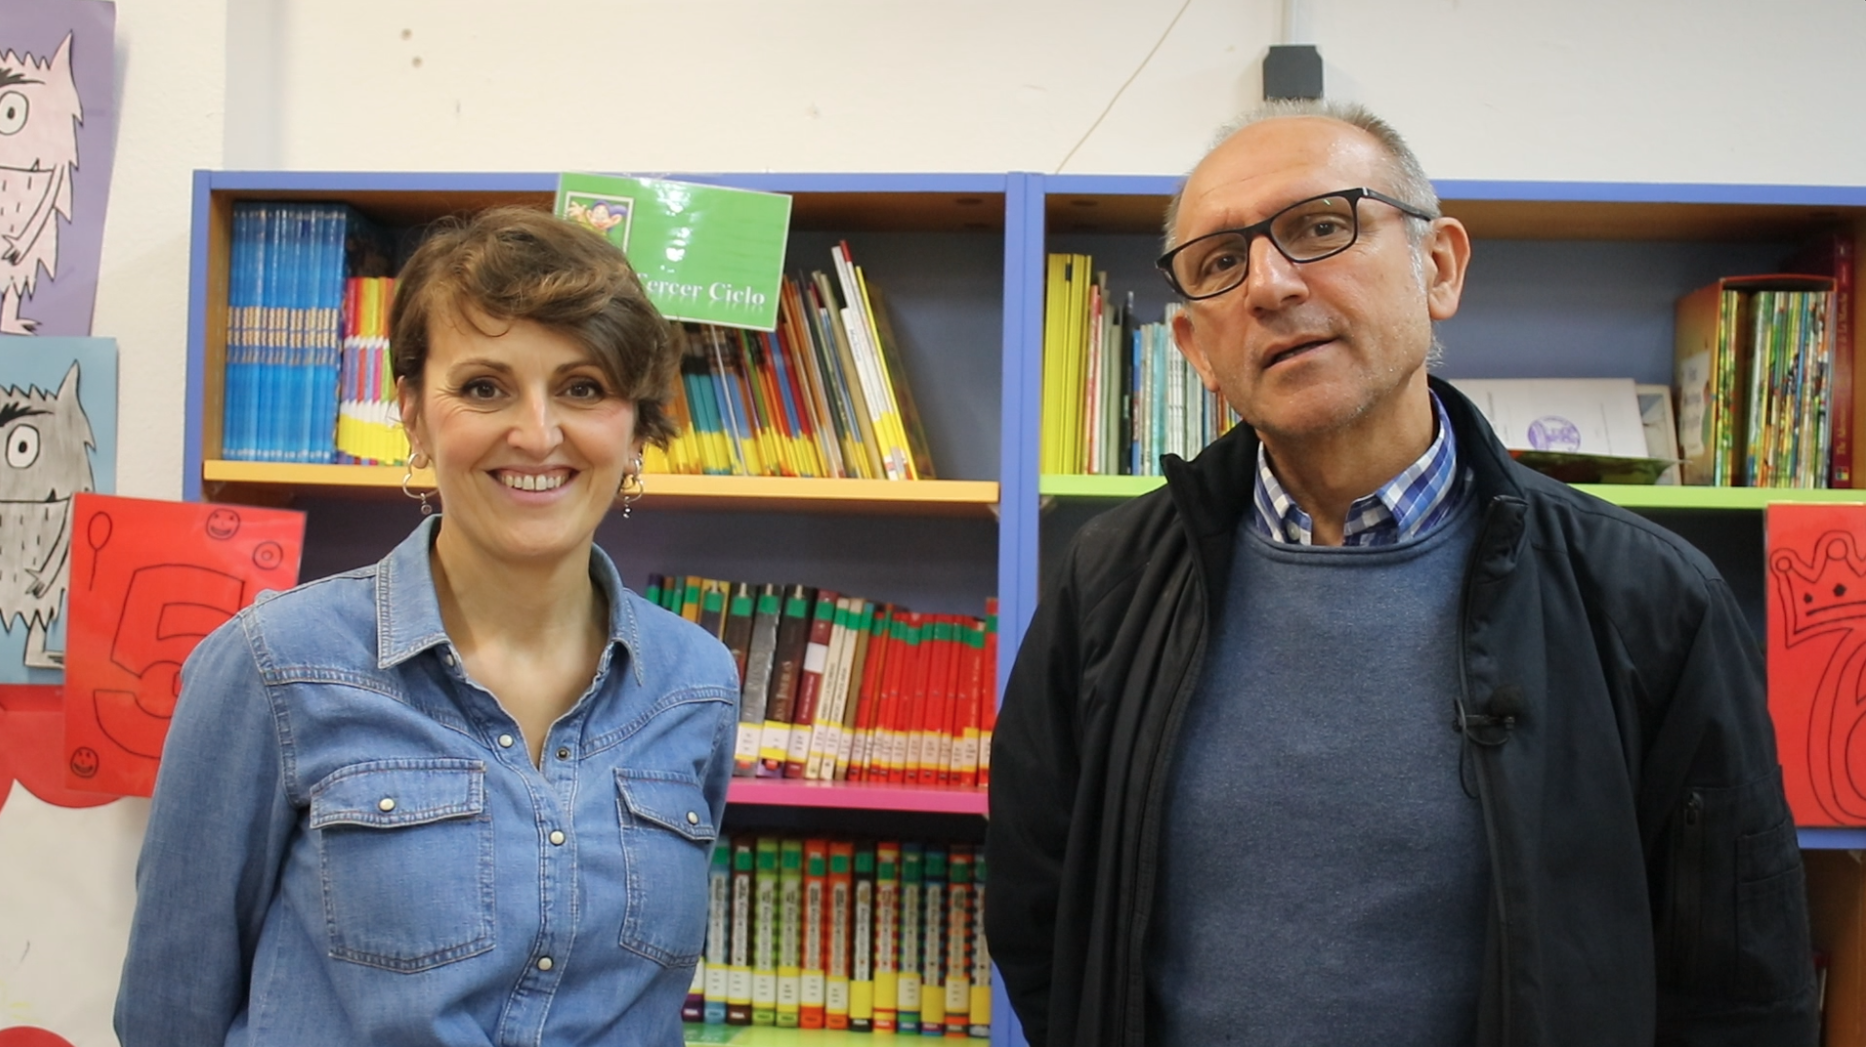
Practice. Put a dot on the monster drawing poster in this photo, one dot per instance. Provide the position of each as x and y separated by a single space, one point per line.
58 129
1817 658
58 438
148 580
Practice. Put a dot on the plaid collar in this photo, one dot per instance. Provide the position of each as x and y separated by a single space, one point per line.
1407 506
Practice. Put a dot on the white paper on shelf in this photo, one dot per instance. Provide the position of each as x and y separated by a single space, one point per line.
1597 416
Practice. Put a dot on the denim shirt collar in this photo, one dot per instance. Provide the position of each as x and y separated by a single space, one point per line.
408 611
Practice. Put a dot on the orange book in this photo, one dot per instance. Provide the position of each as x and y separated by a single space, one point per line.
889 745
971 691
912 696
868 707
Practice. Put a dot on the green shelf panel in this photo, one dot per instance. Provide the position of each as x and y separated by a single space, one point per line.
1632 496
1065 485
769 1036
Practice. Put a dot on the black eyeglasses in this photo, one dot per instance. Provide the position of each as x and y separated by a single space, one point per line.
1305 231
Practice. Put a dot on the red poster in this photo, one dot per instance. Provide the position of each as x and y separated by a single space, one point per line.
149 580
1817 653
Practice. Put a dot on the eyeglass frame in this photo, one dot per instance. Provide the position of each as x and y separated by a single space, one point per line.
1256 229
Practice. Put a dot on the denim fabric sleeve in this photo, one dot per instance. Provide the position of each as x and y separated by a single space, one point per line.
218 829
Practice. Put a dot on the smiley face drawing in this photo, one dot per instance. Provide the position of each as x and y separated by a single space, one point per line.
84 761
223 524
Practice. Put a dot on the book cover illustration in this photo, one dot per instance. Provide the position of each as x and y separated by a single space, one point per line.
149 580
1817 658
57 134
705 253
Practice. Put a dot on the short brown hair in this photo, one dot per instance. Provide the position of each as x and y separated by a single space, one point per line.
517 263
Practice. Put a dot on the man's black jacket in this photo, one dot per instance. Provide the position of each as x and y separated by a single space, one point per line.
1646 887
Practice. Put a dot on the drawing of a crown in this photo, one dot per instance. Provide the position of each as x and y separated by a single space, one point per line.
1818 594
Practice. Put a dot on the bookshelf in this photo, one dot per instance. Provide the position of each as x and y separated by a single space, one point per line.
935 243
1567 280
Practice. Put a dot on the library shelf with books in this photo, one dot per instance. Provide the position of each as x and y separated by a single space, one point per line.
936 243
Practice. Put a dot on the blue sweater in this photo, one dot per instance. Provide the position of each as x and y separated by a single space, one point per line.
1324 875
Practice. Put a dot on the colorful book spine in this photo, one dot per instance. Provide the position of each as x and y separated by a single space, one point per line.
718 934
790 933
980 1028
862 942
933 930
739 985
793 637
959 941
764 934
887 934
912 912
841 902
815 924
810 684
755 692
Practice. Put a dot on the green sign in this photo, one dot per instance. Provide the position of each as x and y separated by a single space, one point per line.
705 253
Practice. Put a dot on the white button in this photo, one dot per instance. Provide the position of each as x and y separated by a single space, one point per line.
557 837
386 804
544 964
505 741
693 818
448 657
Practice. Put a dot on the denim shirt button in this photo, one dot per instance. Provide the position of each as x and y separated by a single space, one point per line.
558 837
505 741
544 963
448 657
693 818
563 753
386 805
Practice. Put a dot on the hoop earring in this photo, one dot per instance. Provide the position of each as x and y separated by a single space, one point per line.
408 477
633 487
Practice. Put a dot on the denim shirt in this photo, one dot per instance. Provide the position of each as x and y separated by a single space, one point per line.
349 843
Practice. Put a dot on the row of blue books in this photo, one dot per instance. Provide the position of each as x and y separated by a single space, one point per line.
285 326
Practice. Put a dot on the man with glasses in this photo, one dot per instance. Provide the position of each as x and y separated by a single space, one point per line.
1357 732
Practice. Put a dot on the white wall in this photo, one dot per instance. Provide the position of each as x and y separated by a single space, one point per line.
1617 90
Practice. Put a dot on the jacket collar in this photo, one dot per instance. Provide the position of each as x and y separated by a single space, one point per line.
1214 490
408 612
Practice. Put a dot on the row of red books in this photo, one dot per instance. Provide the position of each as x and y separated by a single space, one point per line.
840 688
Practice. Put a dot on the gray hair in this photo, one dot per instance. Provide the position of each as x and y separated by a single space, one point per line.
1408 179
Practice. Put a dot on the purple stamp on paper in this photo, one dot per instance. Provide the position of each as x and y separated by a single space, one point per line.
1554 433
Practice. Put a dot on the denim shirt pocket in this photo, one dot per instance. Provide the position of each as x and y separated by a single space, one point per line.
405 853
667 837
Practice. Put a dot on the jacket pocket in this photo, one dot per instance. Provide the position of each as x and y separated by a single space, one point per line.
667 836
405 854
1771 915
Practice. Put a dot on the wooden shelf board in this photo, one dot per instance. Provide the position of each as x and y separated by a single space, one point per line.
238 481
770 1036
857 796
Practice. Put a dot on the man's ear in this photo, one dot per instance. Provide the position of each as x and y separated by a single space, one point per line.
1185 336
1447 250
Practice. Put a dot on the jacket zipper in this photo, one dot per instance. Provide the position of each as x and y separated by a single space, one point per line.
1482 765
1685 899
